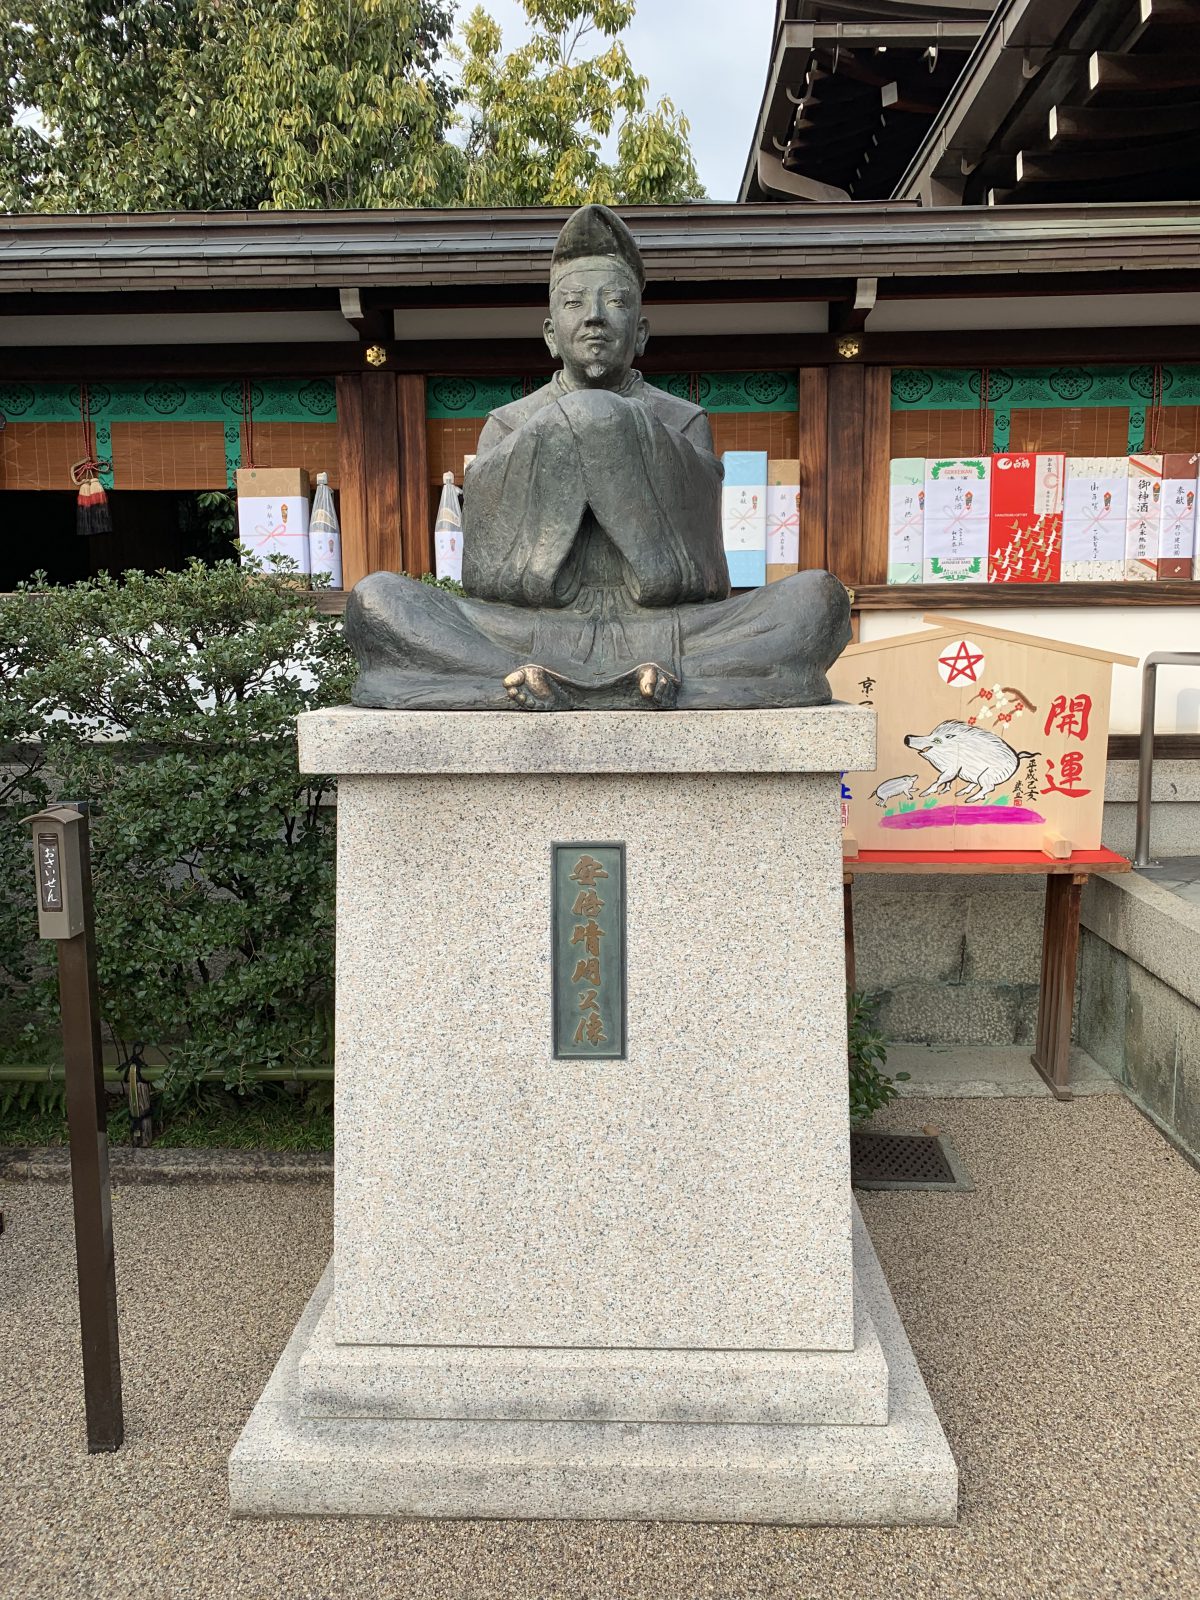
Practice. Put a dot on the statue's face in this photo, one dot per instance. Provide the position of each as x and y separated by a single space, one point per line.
595 327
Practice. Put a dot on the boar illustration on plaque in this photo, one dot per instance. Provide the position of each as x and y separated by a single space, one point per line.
1008 734
895 789
979 759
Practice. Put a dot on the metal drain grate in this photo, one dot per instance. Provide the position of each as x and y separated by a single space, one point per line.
904 1161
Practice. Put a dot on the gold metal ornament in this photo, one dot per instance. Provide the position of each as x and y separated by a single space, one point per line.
376 355
849 346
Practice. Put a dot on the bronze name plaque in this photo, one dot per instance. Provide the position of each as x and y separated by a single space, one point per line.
588 979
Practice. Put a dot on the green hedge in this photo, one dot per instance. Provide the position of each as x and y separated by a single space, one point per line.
169 702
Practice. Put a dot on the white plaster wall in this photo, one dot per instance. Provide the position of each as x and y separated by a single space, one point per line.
189 327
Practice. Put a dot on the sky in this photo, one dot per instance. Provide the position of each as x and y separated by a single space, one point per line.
690 51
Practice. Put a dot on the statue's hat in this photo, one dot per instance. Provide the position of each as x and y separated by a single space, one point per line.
596 231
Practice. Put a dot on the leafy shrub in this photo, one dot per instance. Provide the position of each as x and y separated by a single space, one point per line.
870 1086
23 789
169 702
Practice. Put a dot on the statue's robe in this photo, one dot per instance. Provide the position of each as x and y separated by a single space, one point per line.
592 547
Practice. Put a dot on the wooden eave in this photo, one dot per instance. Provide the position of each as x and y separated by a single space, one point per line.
481 252
1067 102
850 89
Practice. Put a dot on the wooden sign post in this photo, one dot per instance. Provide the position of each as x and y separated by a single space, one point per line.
64 889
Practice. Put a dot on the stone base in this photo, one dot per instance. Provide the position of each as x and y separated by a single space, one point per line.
530 1383
894 1472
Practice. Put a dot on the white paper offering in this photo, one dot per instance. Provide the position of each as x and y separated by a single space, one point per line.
783 525
1143 518
1177 542
744 517
956 520
274 525
906 520
1097 490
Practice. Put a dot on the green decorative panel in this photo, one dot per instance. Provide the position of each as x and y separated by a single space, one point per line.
733 391
447 398
168 400
164 400
1050 388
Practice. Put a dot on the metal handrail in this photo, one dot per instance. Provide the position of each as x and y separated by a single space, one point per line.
1156 659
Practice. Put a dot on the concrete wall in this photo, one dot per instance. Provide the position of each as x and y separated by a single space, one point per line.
1139 998
956 959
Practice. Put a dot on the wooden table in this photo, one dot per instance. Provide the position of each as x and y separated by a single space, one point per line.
1065 879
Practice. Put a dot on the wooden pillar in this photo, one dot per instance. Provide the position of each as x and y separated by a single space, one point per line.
859 443
369 466
1056 995
844 513
813 414
416 528
877 451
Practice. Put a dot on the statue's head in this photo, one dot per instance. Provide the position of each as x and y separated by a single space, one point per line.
595 327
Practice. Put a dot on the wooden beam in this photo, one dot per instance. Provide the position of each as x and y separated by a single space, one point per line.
812 398
416 530
1103 124
849 315
693 353
1083 165
877 453
1002 596
352 492
1121 746
412 297
844 486
1116 73
698 353
373 323
1163 25
382 469
369 465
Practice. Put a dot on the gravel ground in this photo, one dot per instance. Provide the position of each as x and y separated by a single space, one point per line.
1055 1312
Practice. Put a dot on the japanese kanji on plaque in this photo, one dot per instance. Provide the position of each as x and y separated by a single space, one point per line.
987 740
588 969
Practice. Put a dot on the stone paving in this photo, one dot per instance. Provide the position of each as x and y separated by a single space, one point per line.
1055 1312
1179 874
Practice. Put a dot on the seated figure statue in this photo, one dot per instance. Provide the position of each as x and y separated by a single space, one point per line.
593 564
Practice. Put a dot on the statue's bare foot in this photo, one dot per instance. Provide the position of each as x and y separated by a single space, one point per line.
656 686
534 689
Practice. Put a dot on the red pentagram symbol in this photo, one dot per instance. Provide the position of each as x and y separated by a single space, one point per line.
961 664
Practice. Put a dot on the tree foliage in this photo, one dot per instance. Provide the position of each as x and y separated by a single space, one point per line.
537 117
150 105
342 102
154 105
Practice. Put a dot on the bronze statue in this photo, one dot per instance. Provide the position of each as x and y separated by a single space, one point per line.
593 564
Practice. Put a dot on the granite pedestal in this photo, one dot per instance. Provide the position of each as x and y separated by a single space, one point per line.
594 1288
